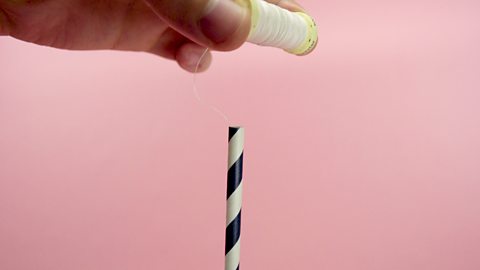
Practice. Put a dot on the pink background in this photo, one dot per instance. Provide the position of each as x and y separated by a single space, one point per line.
364 155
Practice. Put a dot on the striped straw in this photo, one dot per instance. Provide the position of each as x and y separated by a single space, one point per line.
234 198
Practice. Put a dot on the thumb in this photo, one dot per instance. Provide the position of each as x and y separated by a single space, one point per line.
217 24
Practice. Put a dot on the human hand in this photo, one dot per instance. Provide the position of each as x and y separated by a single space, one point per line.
180 30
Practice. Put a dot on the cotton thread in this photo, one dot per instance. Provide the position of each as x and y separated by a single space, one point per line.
197 96
273 26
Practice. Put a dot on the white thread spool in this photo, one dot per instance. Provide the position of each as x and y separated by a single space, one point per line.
273 26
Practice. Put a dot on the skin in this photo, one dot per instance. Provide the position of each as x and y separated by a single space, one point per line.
167 28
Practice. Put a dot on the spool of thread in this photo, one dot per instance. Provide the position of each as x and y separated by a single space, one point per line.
234 197
271 25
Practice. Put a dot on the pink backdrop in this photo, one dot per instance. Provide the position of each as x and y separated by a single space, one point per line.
364 155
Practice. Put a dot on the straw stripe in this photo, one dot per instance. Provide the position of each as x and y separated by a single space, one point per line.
234 204
235 175
232 259
235 146
234 198
233 233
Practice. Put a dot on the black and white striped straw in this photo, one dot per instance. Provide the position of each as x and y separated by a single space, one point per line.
234 197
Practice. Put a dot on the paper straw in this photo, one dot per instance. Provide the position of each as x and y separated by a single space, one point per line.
234 198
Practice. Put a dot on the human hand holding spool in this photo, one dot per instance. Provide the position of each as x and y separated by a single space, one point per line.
180 30
224 25
267 24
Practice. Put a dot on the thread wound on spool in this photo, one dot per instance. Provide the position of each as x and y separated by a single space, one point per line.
273 26
311 38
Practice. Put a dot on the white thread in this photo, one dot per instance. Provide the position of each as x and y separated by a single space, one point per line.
197 96
277 27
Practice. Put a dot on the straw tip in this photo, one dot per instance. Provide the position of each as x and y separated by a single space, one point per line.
232 130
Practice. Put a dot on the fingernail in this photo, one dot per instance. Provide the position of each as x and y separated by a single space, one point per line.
221 20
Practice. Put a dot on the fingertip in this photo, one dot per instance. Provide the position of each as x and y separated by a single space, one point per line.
289 5
193 57
221 25
225 24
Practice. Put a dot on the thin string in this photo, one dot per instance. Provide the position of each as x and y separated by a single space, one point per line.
197 96
195 90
